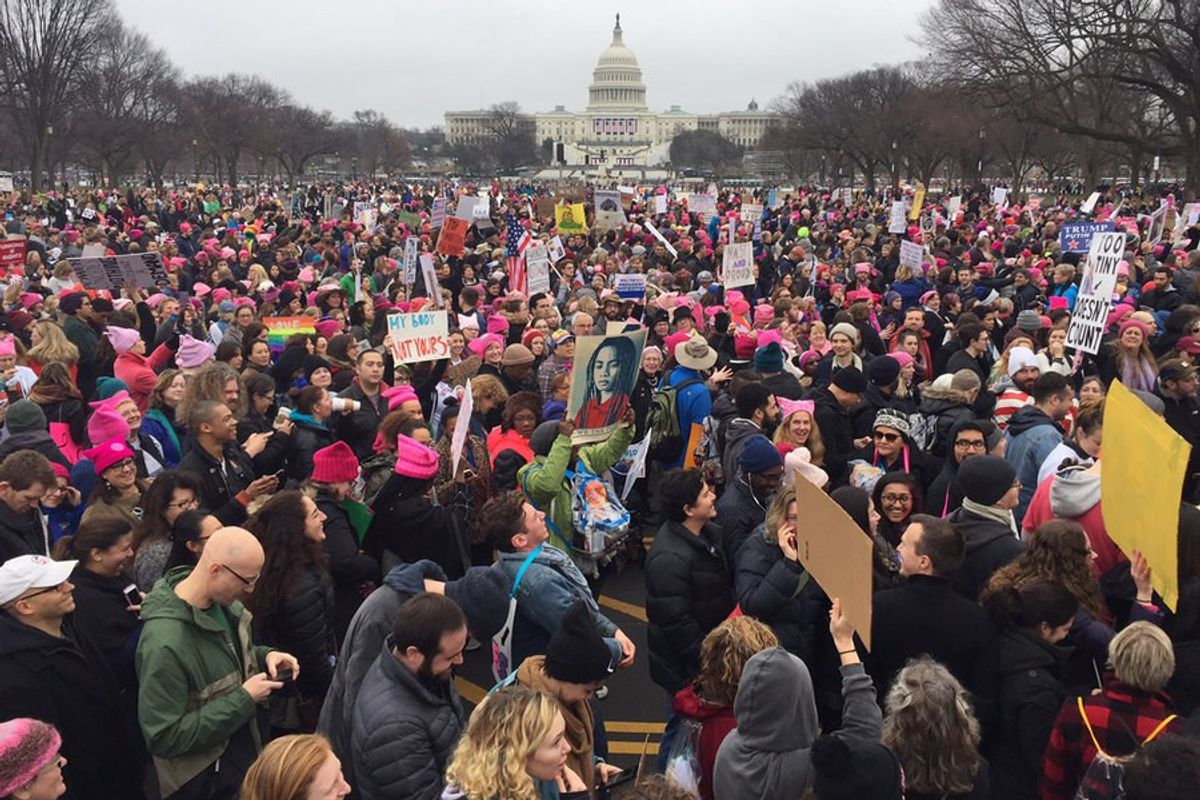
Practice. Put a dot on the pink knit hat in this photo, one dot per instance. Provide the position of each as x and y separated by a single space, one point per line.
764 313
398 395
113 401
26 746
479 346
122 339
8 347
904 358
109 453
497 324
335 463
105 423
765 337
674 340
788 407
328 327
415 460
193 353
30 299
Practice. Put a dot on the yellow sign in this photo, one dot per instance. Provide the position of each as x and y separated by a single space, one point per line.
1142 468
570 218
918 202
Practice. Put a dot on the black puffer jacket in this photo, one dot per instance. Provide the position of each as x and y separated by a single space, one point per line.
354 573
775 590
303 626
306 439
21 534
1030 695
990 545
947 409
740 513
687 595
837 431
403 732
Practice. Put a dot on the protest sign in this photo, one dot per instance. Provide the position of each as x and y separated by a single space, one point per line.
1158 225
1000 196
12 254
419 337
702 204
773 199
1090 203
537 275
453 239
6 183
429 273
836 552
660 204
410 260
917 203
360 210
411 221
605 370
570 218
459 438
654 231
1191 213
438 217
898 221
144 270
1145 462
751 212
609 215
630 285
280 329
482 209
544 207
953 204
1089 318
465 210
737 265
1076 237
634 464
556 250
911 256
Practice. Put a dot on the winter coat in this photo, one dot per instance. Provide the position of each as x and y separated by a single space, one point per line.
410 528
139 372
303 626
65 681
219 488
308 436
768 755
358 428
740 513
837 431
22 534
716 722
737 432
1075 495
199 724
692 404
163 430
784 384
687 595
777 591
349 568
947 408
102 615
38 441
990 545
403 732
1031 435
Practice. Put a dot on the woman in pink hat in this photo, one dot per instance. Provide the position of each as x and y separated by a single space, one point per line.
31 761
798 428
119 490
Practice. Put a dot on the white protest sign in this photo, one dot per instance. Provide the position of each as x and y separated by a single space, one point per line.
1158 223
702 204
1000 196
460 430
953 204
483 209
1192 213
653 230
609 214
6 183
538 275
1090 203
419 337
737 265
556 249
1089 318
630 285
635 457
911 255
144 270
438 217
465 210
660 204
898 222
751 212
431 282
410 260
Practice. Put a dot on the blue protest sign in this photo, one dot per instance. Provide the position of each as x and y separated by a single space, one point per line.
1076 237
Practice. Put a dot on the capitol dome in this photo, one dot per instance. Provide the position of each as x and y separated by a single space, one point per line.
617 80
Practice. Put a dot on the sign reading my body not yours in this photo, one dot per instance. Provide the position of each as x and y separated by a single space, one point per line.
419 337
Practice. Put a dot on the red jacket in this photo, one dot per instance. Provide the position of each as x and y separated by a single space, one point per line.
716 722
139 373
1108 554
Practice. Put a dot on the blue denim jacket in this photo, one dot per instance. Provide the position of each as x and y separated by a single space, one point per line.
550 586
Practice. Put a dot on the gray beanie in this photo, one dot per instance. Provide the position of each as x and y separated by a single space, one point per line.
543 437
482 594
25 415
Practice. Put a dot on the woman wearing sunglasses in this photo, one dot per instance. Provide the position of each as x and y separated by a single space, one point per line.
890 449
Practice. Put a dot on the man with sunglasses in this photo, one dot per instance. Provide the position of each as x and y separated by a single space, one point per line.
48 671
201 678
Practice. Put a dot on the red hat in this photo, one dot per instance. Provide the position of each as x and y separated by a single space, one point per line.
335 464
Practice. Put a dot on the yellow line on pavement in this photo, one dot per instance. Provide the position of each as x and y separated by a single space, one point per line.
471 692
620 606
634 727
632 748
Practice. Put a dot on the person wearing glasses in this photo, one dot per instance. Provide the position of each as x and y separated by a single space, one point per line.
891 449
969 437
171 494
52 671
197 706
31 761
118 493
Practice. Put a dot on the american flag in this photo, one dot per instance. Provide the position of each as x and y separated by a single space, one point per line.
518 240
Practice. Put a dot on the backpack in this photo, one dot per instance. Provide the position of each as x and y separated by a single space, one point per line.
1104 777
666 437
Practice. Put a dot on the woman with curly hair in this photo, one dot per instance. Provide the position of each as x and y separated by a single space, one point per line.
51 344
932 730
293 603
514 748
708 702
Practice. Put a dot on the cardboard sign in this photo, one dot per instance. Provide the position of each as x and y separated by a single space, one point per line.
410 260
630 285
837 554
538 275
653 230
898 222
660 204
911 255
556 250
429 273
1141 477
737 265
917 203
703 204
544 207
605 372
459 437
437 217
570 218
609 214
12 254
144 270
1090 203
1076 237
750 212
419 337
1089 318
453 239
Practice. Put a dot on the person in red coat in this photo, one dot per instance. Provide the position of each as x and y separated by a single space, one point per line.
708 701
133 367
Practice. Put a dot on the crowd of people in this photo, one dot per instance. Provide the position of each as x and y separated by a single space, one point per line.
236 562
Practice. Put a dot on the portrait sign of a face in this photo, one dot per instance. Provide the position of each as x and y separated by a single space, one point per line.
605 370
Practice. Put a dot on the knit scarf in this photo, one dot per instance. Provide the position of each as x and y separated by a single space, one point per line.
1001 515
1137 374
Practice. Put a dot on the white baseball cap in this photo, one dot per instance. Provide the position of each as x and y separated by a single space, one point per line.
19 575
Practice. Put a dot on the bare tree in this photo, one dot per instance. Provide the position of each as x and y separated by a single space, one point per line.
380 145
511 137
44 46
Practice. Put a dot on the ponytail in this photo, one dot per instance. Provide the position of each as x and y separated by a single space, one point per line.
1029 606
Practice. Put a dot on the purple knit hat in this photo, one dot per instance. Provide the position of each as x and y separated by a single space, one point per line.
26 746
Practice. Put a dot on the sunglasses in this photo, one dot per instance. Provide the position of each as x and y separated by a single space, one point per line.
887 437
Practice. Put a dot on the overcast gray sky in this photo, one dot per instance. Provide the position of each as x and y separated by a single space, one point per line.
416 60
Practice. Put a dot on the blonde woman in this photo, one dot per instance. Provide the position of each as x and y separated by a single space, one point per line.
51 344
514 748
798 428
301 767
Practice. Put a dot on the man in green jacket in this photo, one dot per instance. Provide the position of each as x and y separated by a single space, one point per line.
547 486
200 677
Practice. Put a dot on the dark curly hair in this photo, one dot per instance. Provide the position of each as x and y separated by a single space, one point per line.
279 526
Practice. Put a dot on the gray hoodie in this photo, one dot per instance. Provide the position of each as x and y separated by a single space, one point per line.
1073 493
768 754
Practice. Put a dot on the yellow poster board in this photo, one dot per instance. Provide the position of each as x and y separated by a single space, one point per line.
836 552
1142 468
570 218
918 203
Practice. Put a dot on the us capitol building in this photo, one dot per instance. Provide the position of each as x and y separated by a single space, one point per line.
617 129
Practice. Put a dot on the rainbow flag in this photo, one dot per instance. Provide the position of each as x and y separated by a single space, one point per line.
280 328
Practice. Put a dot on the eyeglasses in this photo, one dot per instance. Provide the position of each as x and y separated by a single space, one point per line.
887 437
124 464
973 444
60 588
191 502
249 582
896 499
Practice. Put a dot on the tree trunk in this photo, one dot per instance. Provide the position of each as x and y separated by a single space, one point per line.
38 155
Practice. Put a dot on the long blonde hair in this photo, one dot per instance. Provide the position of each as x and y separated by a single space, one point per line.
286 767
816 447
504 731
54 345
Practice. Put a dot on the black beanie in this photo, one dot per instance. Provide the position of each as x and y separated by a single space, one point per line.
71 303
576 653
853 769
985 479
883 370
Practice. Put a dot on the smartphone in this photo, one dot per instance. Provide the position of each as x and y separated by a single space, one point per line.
281 477
284 676
132 596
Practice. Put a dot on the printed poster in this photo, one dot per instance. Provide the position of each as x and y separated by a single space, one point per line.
570 218
609 214
605 371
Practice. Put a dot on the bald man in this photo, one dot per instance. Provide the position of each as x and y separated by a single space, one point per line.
200 676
